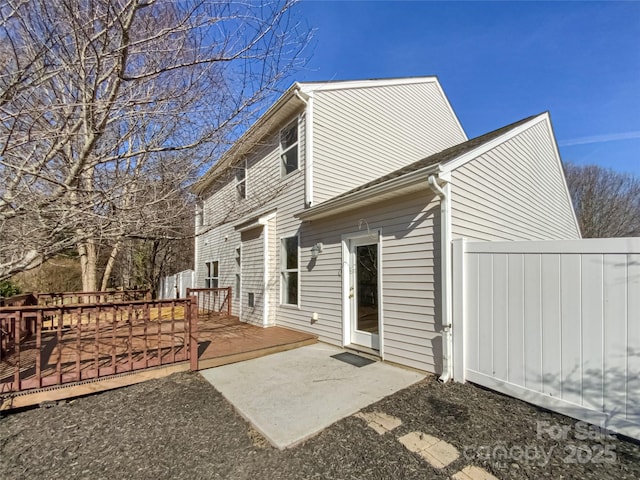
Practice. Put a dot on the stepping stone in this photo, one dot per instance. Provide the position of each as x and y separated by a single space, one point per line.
380 421
436 452
473 473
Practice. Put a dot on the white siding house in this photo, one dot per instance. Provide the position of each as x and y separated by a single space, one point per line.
328 215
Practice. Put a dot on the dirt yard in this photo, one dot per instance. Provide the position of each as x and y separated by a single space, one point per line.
181 428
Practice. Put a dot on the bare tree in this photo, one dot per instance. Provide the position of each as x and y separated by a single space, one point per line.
110 107
607 203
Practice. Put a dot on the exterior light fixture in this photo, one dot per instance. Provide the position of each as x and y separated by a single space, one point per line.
316 250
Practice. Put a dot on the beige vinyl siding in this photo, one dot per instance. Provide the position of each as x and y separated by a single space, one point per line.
363 133
513 192
411 336
214 247
266 191
253 275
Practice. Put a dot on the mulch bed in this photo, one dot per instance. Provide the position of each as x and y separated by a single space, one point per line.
181 427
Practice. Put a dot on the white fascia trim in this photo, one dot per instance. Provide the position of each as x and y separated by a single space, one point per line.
556 152
398 183
485 147
451 110
344 85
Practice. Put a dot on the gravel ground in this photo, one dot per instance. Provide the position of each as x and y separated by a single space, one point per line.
181 427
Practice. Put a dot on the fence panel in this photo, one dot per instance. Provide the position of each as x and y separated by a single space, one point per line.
555 323
176 286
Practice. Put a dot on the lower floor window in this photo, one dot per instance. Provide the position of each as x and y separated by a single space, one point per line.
289 270
211 279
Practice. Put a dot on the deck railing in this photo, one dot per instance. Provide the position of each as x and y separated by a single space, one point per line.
86 298
42 346
212 300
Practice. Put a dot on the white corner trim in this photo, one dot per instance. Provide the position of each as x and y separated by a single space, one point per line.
346 332
485 147
380 297
308 152
265 272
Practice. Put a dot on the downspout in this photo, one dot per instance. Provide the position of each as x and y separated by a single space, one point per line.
308 148
446 274
199 222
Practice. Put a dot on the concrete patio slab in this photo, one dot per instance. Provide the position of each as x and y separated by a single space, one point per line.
291 396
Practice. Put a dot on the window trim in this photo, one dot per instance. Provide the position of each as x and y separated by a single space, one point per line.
238 276
283 171
243 181
283 270
207 278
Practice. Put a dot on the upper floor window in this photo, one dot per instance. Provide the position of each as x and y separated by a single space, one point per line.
211 280
241 180
289 148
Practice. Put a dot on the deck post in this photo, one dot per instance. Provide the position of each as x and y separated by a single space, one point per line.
192 304
229 301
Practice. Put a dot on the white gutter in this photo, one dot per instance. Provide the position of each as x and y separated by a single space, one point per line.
446 274
308 148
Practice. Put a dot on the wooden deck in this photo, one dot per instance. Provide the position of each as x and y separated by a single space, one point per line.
221 340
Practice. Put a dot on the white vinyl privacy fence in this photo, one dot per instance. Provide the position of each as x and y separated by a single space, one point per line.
175 286
554 323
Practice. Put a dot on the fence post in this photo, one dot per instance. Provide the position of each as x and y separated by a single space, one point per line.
193 333
458 315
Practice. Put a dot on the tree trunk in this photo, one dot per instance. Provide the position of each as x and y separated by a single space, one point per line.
88 264
110 263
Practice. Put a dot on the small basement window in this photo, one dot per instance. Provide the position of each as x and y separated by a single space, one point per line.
289 148
251 299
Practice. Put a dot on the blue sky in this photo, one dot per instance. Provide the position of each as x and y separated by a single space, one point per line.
499 62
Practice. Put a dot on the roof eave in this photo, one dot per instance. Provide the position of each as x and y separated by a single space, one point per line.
392 188
244 142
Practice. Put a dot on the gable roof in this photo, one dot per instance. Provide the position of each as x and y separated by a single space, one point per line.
290 102
410 175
